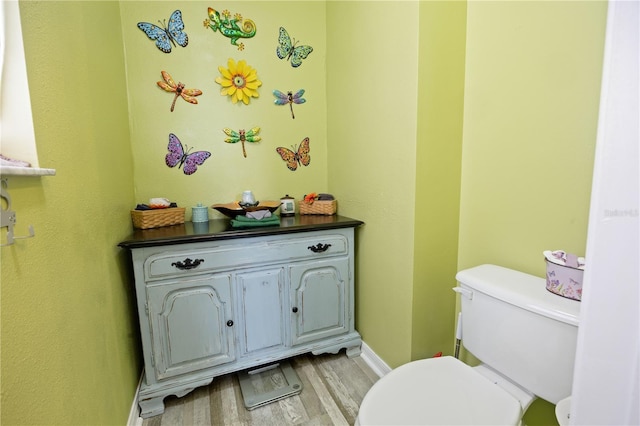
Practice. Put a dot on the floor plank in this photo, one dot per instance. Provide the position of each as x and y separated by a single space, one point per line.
333 388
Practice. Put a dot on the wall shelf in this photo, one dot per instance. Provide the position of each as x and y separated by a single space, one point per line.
6 171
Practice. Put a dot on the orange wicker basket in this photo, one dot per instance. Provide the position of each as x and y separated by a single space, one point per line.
328 207
146 219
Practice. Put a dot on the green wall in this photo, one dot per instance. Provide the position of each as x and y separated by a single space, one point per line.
438 157
372 83
394 160
69 340
532 91
531 106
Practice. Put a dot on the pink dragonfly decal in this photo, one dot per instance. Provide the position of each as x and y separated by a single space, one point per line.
289 98
169 85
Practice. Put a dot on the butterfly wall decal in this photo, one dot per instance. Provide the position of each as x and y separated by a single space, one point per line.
167 33
170 86
290 98
242 136
179 156
288 50
297 156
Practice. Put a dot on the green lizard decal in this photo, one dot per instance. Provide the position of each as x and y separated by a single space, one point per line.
229 27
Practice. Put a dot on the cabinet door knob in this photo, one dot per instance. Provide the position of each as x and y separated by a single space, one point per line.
319 248
294 310
187 263
229 323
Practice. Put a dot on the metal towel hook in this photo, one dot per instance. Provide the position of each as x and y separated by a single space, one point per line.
8 217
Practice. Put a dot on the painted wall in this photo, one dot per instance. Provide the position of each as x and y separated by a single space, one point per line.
531 106
372 95
224 176
438 162
69 340
532 88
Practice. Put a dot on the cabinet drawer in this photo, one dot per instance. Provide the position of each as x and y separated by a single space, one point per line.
212 257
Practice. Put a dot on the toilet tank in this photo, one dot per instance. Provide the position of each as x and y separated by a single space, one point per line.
514 325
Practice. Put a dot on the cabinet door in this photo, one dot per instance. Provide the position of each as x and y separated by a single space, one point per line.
319 299
261 309
191 324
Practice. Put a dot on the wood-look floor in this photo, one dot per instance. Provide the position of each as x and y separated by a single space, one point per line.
333 388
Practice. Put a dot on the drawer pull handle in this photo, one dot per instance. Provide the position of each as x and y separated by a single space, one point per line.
188 263
229 323
319 248
294 310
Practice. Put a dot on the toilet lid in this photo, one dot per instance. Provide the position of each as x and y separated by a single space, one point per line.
437 391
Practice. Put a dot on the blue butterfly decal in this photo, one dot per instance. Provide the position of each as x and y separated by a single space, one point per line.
288 50
167 34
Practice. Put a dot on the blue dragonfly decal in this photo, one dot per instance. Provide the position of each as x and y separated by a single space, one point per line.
289 98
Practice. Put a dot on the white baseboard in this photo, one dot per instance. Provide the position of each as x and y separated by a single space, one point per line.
134 414
374 361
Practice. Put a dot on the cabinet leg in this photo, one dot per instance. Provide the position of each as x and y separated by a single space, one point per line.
354 351
353 346
151 407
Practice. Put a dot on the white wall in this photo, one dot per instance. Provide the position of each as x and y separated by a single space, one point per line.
607 372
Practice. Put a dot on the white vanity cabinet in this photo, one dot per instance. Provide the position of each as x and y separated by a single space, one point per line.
218 300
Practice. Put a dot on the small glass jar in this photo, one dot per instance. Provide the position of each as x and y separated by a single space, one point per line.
199 213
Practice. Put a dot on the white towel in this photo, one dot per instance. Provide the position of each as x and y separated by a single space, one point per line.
560 257
259 214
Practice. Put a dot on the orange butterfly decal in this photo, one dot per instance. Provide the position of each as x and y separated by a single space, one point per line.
297 156
170 86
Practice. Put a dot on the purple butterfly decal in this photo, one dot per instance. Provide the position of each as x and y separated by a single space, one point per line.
178 156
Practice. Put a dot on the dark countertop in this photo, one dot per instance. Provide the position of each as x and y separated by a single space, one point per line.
220 229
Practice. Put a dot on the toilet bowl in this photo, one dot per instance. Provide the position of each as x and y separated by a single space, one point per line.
525 338
438 391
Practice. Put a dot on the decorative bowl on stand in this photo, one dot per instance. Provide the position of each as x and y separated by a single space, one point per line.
234 209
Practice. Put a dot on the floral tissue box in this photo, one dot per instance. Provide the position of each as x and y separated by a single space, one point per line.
564 274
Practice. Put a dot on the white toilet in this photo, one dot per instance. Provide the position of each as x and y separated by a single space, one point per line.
525 338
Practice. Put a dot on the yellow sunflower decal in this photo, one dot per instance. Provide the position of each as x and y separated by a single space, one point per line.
240 81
